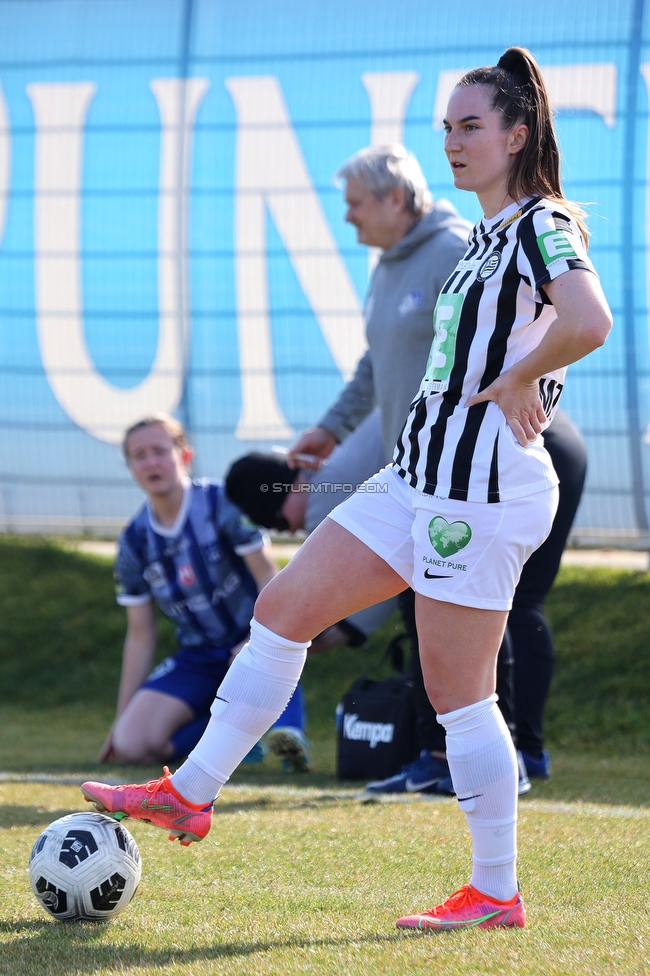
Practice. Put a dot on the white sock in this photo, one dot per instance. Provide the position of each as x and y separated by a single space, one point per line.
254 693
483 767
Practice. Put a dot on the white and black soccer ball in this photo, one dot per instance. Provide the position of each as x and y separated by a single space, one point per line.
84 867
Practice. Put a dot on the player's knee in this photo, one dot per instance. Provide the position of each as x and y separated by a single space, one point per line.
126 750
443 697
132 748
439 700
284 608
269 607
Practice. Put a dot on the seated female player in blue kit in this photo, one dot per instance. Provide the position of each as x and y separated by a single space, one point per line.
192 551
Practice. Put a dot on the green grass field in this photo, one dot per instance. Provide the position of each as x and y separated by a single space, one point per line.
293 881
302 874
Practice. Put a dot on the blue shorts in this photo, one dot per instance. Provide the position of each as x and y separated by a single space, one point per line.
192 674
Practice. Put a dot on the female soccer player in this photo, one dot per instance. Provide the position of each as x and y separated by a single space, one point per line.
471 493
190 550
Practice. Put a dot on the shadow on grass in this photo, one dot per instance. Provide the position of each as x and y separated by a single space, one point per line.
50 945
13 815
23 926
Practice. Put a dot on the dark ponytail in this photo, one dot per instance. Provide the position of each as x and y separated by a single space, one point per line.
519 94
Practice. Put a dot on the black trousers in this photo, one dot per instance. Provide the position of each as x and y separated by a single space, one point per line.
532 640
527 655
430 734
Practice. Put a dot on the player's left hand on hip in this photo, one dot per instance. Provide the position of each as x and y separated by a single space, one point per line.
520 404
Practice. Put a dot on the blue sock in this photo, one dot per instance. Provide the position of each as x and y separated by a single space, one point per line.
294 713
185 738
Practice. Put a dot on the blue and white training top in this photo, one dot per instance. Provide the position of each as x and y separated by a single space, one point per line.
194 568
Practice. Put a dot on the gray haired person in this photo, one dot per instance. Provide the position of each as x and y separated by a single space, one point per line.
421 241
382 169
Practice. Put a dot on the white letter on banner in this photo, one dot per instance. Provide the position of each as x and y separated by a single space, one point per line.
590 87
389 93
271 172
97 406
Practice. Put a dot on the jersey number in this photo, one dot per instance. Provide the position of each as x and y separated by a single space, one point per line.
549 394
445 330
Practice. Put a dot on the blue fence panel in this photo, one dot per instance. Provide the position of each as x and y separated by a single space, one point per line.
171 239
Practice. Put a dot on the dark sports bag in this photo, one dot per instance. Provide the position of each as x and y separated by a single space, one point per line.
375 723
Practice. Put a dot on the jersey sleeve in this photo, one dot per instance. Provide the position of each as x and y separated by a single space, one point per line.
131 588
241 533
552 244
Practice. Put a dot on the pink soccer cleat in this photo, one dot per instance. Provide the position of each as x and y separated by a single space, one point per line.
155 802
468 908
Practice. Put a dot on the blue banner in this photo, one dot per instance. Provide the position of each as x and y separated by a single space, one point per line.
171 239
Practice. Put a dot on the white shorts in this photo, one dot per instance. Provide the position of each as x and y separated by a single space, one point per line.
469 553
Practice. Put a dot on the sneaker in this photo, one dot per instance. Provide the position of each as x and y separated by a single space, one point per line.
445 786
467 908
537 767
291 746
420 776
256 754
524 785
155 802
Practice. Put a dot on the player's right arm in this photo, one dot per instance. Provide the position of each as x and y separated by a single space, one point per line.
137 658
139 647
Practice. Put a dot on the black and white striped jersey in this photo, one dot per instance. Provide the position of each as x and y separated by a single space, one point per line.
491 313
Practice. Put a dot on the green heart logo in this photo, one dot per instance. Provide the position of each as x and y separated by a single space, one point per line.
448 538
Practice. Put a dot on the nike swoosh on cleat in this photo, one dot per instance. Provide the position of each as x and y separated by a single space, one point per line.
456 922
461 799
428 575
145 805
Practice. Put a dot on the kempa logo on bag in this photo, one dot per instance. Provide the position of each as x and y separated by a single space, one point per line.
448 538
372 732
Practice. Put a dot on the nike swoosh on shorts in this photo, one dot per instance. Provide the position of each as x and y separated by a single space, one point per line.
428 575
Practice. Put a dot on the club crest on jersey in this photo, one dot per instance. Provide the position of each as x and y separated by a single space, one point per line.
489 266
186 575
448 538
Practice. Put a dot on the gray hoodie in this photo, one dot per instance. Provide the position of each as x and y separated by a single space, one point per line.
399 324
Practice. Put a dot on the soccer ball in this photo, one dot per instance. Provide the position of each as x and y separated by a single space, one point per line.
84 867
